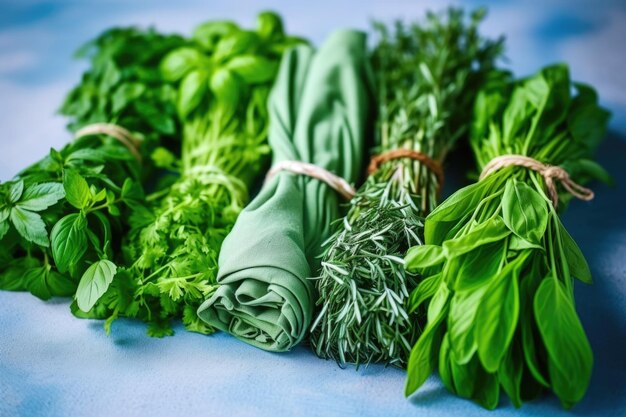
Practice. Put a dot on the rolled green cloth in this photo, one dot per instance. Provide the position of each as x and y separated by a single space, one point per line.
320 113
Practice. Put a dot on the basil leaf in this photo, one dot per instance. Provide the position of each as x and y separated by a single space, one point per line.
570 359
15 192
192 90
461 319
510 375
423 355
94 283
180 62
478 266
463 202
423 256
253 69
4 228
227 89
528 288
497 316
76 189
30 226
35 281
445 368
41 196
492 230
69 240
524 211
235 43
425 290
576 261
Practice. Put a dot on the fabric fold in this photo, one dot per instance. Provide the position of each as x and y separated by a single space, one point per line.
320 112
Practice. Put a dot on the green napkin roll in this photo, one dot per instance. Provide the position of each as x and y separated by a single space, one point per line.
321 113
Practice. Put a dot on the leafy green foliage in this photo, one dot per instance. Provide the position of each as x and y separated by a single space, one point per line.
221 80
124 86
57 216
505 257
427 76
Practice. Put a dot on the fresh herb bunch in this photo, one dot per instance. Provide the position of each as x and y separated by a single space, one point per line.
427 75
61 218
498 265
124 86
222 81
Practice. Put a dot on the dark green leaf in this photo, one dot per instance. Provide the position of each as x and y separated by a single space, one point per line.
69 240
576 261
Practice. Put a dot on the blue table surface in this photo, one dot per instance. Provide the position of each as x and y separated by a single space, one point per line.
52 364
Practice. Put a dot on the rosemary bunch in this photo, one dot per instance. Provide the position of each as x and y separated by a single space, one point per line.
426 75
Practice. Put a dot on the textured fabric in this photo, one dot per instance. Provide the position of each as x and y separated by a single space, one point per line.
319 113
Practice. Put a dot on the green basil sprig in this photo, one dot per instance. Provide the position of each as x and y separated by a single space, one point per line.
498 265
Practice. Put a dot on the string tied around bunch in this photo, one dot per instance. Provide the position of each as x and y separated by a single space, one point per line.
124 136
550 173
310 170
432 165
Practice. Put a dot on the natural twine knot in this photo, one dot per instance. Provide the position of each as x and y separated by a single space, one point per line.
432 165
550 174
303 168
118 132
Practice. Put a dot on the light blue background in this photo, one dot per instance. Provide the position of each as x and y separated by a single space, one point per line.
53 364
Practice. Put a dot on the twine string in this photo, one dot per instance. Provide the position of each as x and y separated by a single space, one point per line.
117 132
432 165
303 168
550 173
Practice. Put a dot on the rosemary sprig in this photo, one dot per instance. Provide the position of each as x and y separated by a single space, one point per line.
426 76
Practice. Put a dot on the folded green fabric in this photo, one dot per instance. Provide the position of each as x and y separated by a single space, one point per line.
320 112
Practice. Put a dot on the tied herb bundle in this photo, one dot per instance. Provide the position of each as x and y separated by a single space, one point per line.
125 87
222 82
498 265
61 218
427 76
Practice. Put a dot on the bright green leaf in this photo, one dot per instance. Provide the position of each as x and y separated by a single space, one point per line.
94 283
570 359
497 316
524 211
30 226
41 196
76 189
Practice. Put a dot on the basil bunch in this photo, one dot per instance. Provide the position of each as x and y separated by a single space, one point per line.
61 220
498 265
